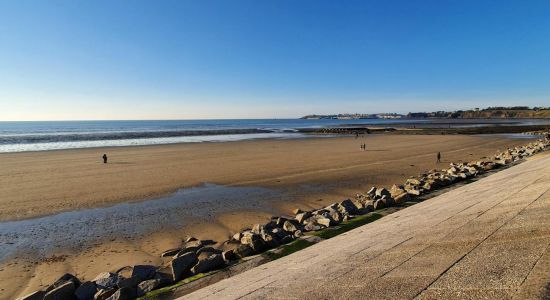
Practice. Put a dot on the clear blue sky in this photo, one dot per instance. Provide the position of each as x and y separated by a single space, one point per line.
256 59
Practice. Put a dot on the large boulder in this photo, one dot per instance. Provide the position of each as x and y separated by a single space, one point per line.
181 265
104 294
302 217
229 255
270 240
131 282
86 291
64 291
254 241
62 280
147 286
258 229
401 198
144 272
290 226
348 207
321 220
244 250
372 192
336 217
193 246
213 262
312 226
107 280
381 192
207 251
379 204
170 252
124 293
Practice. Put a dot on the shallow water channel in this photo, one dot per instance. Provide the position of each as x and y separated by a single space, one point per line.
41 236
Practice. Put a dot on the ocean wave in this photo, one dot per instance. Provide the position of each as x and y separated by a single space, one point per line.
121 135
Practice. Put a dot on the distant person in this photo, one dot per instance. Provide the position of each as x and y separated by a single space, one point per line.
361 146
438 157
364 147
104 158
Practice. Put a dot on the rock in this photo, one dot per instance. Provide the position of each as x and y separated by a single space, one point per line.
257 229
61 280
86 291
123 294
213 262
279 233
290 226
208 251
379 204
413 192
322 220
107 280
335 217
37 295
147 286
413 181
190 239
347 207
401 198
254 241
237 237
64 291
170 252
185 251
270 240
298 233
244 250
369 206
144 272
397 190
389 201
131 282
193 246
229 255
382 192
104 294
312 226
164 277
297 211
280 221
302 217
181 265
372 192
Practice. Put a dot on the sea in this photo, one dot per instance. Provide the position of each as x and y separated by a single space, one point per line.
54 135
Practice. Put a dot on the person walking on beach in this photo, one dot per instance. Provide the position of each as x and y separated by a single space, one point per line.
104 158
438 157
364 147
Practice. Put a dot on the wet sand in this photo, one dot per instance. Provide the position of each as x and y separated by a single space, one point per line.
298 173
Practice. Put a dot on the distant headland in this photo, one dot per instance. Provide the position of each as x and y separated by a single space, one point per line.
514 112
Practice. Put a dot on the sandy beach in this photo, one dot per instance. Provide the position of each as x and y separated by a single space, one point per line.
303 173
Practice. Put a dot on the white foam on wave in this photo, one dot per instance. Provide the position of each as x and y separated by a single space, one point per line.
145 141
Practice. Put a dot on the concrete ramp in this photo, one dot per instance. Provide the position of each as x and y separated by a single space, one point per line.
486 240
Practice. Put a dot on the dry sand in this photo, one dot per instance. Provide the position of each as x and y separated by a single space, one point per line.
310 173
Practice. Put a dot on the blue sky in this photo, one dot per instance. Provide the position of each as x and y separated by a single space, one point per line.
62 60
